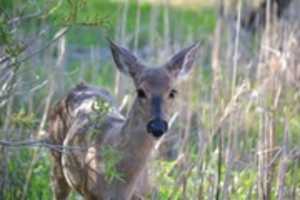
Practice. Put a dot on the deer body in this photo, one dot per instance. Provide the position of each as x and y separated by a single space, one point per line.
104 155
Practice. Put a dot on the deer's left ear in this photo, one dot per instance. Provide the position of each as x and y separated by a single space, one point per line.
181 63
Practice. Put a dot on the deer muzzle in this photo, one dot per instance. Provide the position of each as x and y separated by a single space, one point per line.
157 126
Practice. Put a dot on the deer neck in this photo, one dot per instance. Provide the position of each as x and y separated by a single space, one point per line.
135 146
137 141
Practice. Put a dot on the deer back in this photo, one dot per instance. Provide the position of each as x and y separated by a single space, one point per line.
78 125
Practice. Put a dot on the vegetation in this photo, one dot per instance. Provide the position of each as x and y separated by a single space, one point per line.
237 135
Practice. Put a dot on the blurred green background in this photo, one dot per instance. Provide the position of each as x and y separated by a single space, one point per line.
238 111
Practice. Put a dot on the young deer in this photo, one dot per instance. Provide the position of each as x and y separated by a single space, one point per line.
104 155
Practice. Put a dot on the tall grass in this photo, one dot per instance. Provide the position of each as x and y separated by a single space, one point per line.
237 132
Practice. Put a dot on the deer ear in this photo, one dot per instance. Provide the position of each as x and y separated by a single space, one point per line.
181 63
125 61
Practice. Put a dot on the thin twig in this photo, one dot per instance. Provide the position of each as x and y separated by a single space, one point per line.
23 18
23 143
56 37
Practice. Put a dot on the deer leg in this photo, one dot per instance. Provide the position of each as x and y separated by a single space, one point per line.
60 187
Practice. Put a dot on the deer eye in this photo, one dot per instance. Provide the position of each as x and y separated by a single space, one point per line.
172 94
141 94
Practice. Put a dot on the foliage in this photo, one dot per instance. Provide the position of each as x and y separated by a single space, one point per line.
90 22
110 160
24 120
19 166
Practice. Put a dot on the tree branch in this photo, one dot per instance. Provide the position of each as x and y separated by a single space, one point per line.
56 37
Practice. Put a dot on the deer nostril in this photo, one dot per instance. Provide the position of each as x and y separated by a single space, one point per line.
157 127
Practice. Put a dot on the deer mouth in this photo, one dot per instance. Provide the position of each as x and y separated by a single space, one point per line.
157 127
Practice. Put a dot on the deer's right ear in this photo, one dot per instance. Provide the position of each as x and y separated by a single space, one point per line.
125 60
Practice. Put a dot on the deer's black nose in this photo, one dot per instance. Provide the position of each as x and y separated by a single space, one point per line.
157 127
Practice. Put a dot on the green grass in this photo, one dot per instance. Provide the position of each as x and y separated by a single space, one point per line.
39 184
96 10
199 22
83 36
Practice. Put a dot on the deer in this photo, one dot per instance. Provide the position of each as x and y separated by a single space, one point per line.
91 132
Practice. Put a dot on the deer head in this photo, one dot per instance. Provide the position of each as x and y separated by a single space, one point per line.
155 87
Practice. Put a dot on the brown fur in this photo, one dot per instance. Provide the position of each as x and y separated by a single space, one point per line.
86 133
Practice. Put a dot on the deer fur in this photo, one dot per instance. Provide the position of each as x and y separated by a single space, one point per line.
84 131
